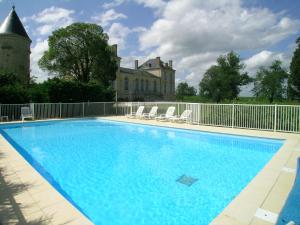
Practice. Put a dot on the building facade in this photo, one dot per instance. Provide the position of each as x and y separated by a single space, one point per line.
15 47
150 81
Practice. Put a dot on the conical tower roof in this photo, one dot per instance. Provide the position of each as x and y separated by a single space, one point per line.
13 25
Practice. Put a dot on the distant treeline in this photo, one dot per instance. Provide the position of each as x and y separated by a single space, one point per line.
52 90
222 82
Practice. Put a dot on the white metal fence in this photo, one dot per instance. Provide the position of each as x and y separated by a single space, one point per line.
60 110
285 118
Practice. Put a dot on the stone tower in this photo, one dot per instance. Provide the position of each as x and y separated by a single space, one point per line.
15 47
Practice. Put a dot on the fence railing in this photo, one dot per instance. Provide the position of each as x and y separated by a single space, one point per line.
59 110
284 118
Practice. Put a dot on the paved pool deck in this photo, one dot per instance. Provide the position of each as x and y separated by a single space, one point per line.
27 198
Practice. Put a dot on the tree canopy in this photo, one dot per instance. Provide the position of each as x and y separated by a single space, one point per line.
223 81
12 91
294 77
183 89
269 82
60 90
11 88
81 52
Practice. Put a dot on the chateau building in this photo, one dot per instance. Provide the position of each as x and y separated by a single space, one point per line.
152 80
15 47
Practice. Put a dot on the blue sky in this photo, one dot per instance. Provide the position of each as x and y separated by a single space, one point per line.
193 33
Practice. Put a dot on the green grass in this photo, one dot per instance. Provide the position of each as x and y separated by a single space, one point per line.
239 100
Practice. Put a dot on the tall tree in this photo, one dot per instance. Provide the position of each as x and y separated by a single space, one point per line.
12 89
223 81
8 78
294 77
80 51
183 89
269 82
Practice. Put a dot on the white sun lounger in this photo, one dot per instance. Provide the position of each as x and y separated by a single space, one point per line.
152 114
26 113
136 114
169 114
183 118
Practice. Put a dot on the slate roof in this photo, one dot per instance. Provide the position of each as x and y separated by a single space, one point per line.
127 70
13 25
154 64
133 71
151 64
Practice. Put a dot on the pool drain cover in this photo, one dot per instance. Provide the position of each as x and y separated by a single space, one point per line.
186 180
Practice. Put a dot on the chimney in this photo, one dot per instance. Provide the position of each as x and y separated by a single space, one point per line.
136 64
158 60
171 63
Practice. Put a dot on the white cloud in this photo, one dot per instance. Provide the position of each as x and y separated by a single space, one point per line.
112 4
118 34
107 17
45 22
265 58
195 32
51 19
155 4
152 3
36 53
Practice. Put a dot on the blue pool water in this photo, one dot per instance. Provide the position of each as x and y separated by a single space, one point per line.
126 174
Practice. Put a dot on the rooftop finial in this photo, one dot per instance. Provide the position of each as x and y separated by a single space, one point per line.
13 6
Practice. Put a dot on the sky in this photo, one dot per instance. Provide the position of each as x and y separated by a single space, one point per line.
192 33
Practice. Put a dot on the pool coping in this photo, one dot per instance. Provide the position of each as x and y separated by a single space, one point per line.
267 192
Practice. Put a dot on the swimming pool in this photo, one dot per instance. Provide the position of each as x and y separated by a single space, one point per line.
121 173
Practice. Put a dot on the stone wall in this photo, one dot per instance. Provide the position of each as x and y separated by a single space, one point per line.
15 55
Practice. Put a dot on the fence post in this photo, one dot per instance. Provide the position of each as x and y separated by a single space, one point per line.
60 110
0 109
104 108
116 107
32 110
199 107
232 116
178 109
186 107
82 109
299 120
275 117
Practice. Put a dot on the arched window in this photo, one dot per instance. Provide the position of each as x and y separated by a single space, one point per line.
147 85
142 85
126 84
154 86
136 85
